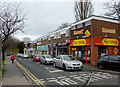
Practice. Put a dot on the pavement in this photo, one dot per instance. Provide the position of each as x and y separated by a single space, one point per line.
95 68
13 75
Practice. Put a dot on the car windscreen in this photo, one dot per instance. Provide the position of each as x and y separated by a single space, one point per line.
48 56
68 58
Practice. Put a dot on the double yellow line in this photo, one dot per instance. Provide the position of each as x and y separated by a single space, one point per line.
31 75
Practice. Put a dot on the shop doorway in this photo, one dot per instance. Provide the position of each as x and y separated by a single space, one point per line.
87 55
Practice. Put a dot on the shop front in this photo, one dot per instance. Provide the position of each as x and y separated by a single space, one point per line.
107 46
42 49
63 48
52 50
80 49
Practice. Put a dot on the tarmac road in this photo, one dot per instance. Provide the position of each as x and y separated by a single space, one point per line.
49 75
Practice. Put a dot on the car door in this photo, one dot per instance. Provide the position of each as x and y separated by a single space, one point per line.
105 61
114 61
60 62
57 60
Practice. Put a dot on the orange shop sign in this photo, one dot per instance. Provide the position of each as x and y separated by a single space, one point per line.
106 41
78 32
80 42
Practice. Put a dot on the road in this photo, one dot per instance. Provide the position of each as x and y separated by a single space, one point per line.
49 75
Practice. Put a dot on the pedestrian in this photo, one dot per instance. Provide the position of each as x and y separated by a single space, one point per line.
12 58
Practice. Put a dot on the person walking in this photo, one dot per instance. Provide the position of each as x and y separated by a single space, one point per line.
12 58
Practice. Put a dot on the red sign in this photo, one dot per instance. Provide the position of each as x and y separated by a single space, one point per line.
106 41
80 42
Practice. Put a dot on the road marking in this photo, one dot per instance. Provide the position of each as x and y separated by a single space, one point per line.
53 70
61 77
30 74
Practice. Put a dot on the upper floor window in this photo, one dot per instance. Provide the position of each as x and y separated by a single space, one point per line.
49 37
87 23
59 35
79 26
67 33
73 27
55 36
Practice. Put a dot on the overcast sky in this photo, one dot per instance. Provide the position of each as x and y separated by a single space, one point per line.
44 16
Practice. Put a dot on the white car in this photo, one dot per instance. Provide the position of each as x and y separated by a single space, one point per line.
67 62
46 59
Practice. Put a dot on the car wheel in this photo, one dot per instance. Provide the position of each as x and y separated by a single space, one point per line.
100 66
55 65
64 67
40 62
45 62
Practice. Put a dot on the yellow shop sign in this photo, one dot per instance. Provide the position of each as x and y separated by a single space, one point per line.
112 42
79 42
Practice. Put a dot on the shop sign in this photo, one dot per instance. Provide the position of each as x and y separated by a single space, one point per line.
80 42
115 50
39 43
62 44
87 33
51 45
78 32
113 42
105 30
106 41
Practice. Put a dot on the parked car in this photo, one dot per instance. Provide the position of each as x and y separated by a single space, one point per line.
25 56
109 61
46 59
19 55
36 58
67 62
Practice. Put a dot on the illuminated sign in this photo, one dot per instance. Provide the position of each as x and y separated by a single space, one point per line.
87 33
112 42
74 49
106 41
105 30
80 42
115 50
78 32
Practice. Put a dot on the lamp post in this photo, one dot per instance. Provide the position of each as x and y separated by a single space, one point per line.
0 51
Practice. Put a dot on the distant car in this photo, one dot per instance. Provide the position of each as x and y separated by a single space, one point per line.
46 59
25 56
109 61
67 62
36 58
19 55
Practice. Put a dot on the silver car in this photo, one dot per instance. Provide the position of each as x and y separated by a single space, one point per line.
46 59
67 62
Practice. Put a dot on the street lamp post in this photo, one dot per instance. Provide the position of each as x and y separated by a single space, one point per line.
0 52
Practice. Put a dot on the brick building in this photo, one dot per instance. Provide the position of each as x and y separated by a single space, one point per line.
55 42
94 37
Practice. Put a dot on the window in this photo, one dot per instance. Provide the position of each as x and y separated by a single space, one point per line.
67 32
54 35
49 37
113 58
79 26
87 23
73 27
59 35
105 57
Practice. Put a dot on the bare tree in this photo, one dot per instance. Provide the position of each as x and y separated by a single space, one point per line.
113 9
12 19
63 25
83 9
